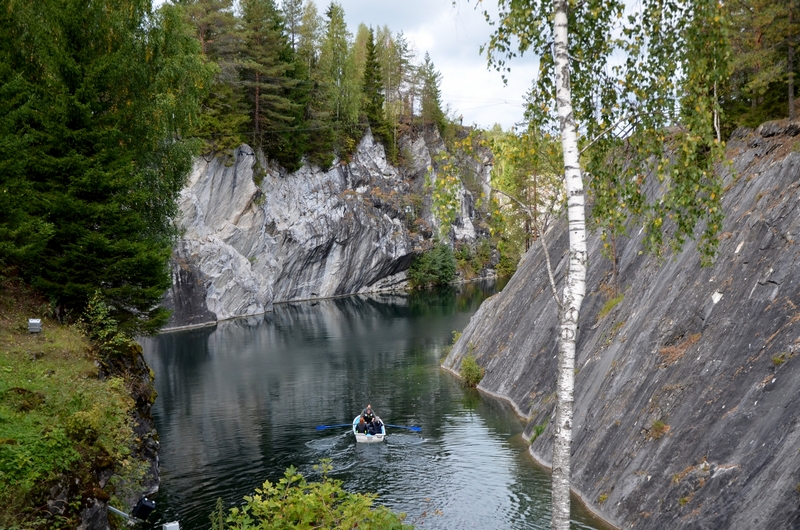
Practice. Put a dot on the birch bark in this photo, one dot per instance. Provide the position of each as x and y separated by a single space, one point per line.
575 284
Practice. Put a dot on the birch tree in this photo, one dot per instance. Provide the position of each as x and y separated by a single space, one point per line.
654 114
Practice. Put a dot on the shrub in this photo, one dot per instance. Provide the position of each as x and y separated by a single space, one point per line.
471 372
433 268
293 503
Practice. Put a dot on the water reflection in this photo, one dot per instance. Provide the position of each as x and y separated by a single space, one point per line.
238 403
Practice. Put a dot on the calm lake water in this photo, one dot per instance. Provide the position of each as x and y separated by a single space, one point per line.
238 403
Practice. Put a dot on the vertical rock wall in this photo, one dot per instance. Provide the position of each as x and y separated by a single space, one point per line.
253 234
687 400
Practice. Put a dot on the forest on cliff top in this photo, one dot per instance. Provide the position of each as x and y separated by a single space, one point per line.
104 105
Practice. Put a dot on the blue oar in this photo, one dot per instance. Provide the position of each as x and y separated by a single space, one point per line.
323 427
412 428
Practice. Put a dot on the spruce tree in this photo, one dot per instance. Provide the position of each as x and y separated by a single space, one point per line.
430 94
764 41
97 102
373 98
225 116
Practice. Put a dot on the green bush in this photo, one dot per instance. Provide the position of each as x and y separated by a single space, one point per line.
471 372
538 430
433 268
293 503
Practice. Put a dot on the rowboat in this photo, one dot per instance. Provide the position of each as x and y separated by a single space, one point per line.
368 438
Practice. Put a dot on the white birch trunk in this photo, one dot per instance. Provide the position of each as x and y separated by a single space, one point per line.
575 284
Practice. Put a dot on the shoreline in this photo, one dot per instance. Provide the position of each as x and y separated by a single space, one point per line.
576 494
406 292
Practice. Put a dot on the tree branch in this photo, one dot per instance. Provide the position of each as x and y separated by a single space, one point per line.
530 215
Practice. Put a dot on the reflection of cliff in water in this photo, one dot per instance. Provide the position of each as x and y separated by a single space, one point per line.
236 385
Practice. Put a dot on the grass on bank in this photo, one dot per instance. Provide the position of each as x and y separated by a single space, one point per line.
60 424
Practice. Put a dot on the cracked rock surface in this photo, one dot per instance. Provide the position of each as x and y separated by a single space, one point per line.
253 234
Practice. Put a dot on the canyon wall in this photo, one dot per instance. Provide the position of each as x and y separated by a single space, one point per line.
687 395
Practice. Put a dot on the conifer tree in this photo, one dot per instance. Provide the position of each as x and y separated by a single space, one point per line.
764 40
430 95
93 149
225 117
266 70
373 98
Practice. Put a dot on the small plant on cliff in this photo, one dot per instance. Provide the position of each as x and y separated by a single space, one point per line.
447 349
538 430
779 359
294 503
658 429
471 372
610 304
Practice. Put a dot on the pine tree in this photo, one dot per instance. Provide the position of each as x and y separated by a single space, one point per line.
225 117
764 44
266 69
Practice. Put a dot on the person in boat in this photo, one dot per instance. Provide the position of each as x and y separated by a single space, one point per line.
362 425
373 423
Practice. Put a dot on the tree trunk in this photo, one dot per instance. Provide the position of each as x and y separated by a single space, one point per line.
792 113
257 108
575 284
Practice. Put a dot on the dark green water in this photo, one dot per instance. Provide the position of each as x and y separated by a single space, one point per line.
239 403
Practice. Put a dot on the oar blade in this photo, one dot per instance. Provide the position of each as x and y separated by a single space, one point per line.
410 428
323 427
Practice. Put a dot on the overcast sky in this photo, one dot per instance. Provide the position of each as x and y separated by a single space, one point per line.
452 35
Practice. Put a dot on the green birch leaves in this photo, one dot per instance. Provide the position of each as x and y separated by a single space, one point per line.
646 83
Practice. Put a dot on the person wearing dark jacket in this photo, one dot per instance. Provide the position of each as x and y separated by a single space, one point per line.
373 423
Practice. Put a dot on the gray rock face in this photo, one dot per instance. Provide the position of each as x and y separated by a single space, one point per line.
295 236
687 397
